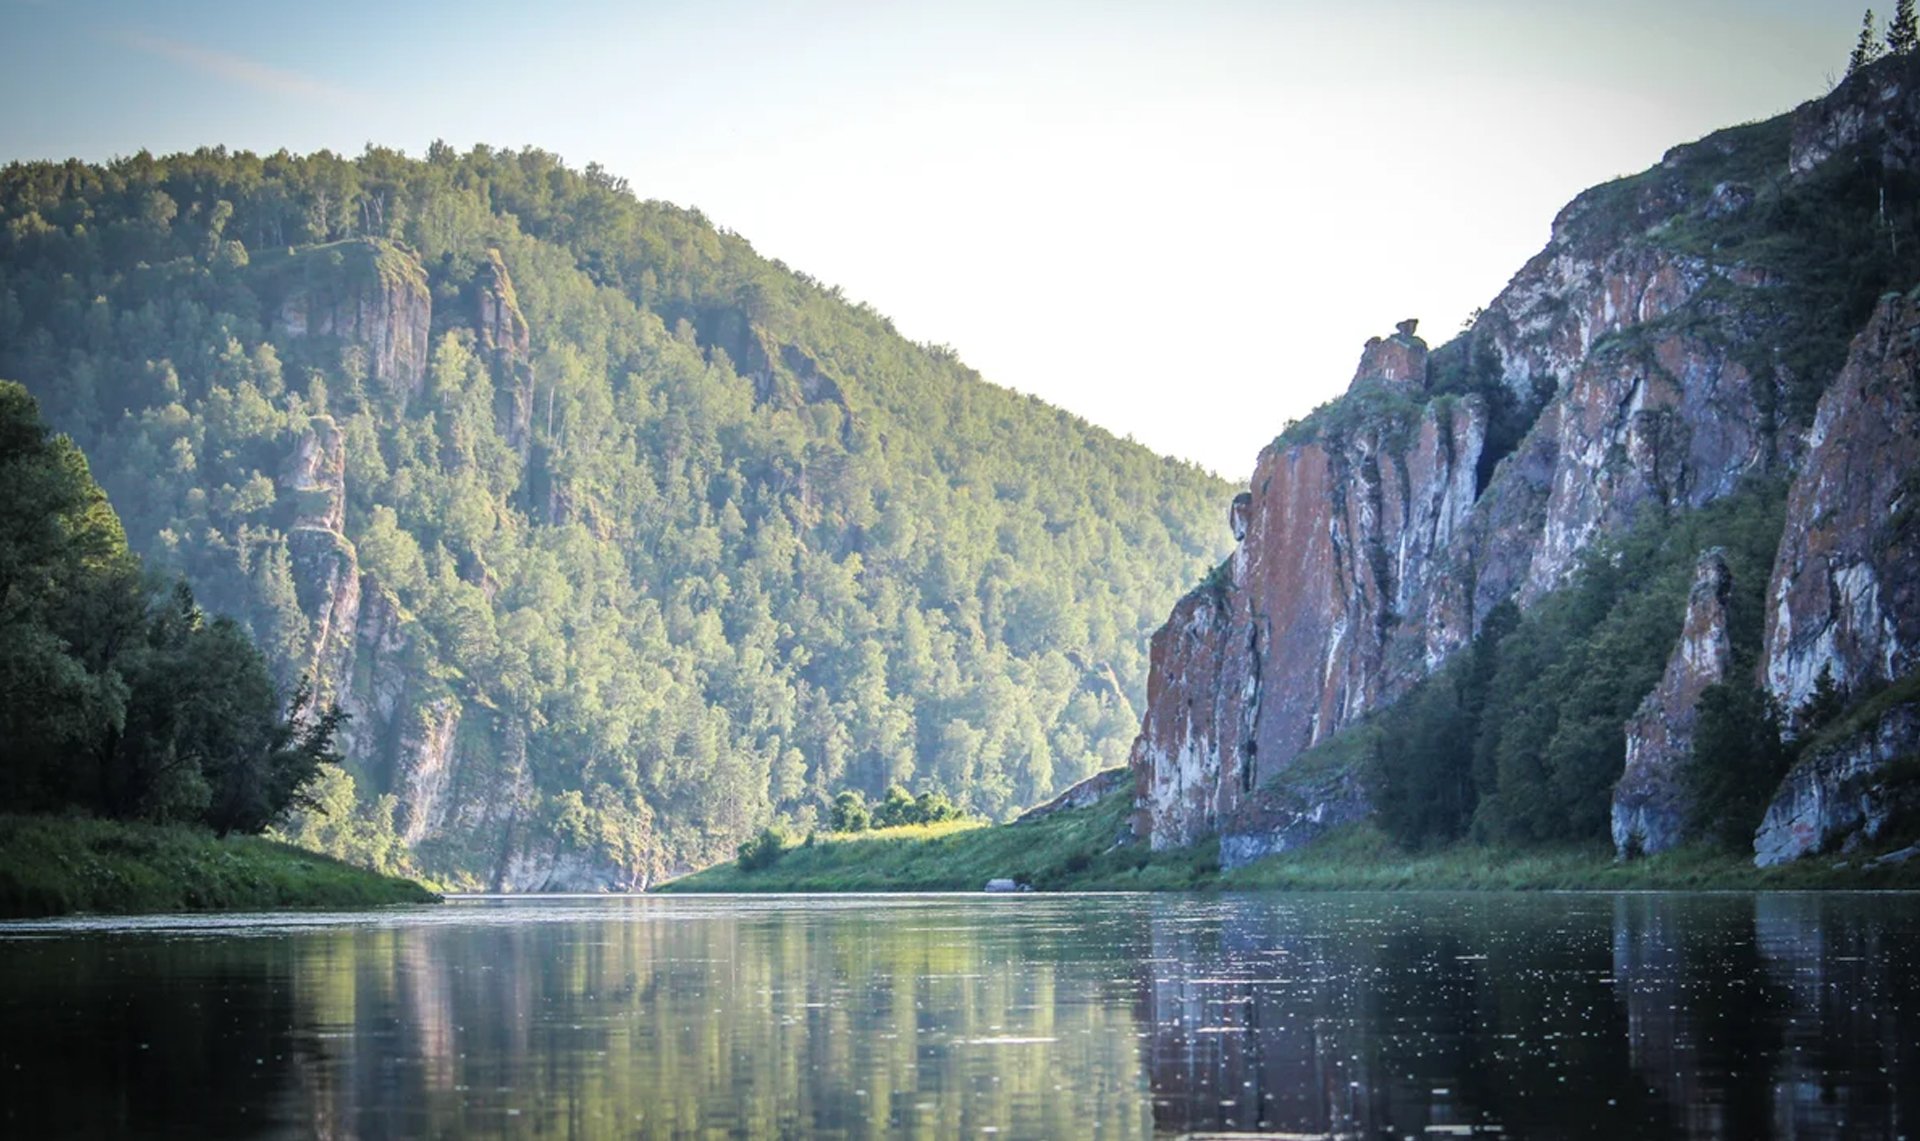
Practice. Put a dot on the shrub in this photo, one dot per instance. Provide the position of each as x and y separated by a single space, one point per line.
762 851
849 813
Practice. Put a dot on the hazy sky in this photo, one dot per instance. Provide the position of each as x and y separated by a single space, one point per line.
1179 220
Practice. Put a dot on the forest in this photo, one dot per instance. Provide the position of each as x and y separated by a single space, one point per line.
124 700
615 541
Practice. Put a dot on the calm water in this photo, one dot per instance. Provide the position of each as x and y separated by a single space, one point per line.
1056 1016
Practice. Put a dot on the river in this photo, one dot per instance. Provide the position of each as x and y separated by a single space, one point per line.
1547 1015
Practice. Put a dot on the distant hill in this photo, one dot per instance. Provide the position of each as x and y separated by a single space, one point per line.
616 540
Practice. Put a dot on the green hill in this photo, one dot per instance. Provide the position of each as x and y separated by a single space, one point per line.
616 541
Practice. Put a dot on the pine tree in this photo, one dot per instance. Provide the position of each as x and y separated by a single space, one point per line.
1867 48
1902 33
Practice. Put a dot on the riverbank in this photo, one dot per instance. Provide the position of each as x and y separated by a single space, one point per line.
1077 851
60 866
1067 851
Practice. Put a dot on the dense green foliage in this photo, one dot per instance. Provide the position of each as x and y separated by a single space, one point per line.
115 698
52 866
1519 740
720 545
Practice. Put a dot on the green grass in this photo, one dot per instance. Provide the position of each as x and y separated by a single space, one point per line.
61 866
1069 851
1074 851
1361 858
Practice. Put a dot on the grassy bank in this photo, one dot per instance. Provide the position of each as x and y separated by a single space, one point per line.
1069 851
59 866
1361 858
1074 851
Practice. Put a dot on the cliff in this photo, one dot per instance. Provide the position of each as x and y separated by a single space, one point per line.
1659 355
1650 806
456 796
368 297
1844 598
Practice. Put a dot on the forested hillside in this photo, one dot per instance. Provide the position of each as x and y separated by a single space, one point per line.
615 540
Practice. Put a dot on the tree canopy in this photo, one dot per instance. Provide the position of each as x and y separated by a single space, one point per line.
709 546
118 698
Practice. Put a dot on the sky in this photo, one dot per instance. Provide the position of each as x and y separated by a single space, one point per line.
1178 220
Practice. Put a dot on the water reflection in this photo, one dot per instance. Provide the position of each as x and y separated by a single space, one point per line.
1574 1015
1577 1015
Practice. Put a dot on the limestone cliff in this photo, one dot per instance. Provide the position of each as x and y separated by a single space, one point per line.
1324 610
503 334
1844 599
457 772
1632 368
369 296
1649 804
1845 592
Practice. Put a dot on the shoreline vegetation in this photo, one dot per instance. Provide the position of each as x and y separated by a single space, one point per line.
1075 851
52 866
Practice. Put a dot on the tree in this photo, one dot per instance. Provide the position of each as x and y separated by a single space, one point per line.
762 850
897 809
1867 48
849 813
1821 708
1902 32
1738 759
115 697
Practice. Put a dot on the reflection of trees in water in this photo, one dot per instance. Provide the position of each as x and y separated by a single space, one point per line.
1847 1051
768 1023
103 1038
1642 1016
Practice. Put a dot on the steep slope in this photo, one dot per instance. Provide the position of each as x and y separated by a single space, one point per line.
616 540
1664 352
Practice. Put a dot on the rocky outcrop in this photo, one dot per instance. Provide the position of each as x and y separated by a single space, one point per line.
551 866
1845 794
325 570
1649 803
1662 420
1291 811
1085 794
372 296
1400 359
1845 591
505 338
1374 540
1338 580
1878 106
423 767
1844 597
497 321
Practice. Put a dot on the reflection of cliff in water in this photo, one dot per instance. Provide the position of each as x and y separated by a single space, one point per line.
1643 1016
1655 1016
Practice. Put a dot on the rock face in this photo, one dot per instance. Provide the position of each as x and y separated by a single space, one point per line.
1375 539
372 295
1335 580
326 572
1844 597
458 776
1877 105
1649 803
1845 591
1086 794
504 336
1843 795
1399 359
1663 420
